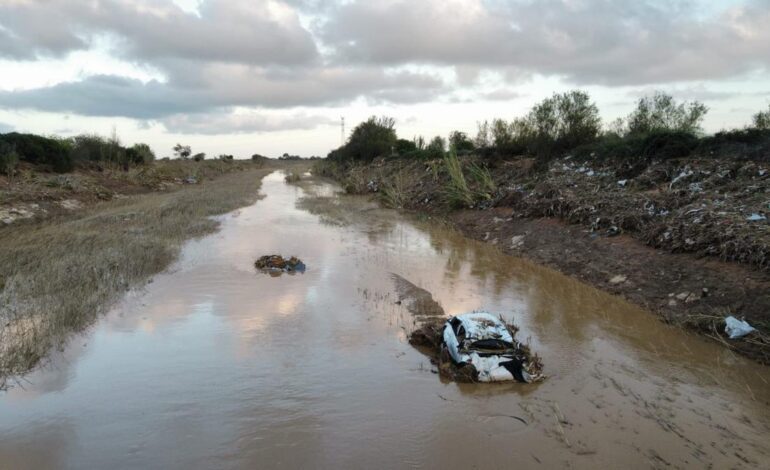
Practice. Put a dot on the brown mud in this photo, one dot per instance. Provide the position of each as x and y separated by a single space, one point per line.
677 238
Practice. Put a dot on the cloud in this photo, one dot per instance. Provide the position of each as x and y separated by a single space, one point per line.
587 42
277 54
264 32
232 123
4 128
203 89
501 94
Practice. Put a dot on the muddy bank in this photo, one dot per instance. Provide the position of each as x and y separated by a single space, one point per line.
686 239
34 195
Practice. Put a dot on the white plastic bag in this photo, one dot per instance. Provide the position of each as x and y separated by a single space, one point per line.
736 328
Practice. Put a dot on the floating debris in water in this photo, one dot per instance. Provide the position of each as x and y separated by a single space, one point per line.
278 264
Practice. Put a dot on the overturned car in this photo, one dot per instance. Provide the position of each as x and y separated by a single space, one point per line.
484 344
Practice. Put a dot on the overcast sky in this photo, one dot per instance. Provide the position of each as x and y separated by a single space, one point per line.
240 76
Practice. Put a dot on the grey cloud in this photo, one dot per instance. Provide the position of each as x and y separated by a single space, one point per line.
222 123
588 42
220 87
501 94
234 31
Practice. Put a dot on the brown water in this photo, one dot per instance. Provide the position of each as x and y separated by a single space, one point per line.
216 366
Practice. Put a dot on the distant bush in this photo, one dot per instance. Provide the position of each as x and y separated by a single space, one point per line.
404 147
182 152
661 113
199 157
436 147
257 157
9 159
40 150
761 120
460 143
226 158
140 154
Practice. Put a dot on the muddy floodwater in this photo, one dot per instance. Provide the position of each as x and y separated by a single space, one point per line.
216 365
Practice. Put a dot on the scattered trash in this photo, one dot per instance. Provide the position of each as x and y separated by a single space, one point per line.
517 241
484 342
737 328
619 279
755 217
622 183
70 204
278 264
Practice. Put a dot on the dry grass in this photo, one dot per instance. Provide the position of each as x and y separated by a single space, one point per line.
56 277
292 177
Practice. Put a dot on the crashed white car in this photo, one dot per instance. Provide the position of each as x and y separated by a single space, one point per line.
482 340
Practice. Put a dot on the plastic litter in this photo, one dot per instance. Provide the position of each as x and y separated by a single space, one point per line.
737 328
755 217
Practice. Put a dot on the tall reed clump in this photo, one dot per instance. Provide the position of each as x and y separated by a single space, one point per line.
457 192
465 192
393 192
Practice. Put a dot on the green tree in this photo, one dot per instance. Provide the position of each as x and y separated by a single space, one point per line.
372 138
436 147
182 152
761 120
459 142
199 157
563 121
661 113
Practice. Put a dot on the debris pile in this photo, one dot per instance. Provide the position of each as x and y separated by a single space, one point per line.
478 347
278 264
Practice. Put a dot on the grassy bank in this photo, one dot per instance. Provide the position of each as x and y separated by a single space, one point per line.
56 277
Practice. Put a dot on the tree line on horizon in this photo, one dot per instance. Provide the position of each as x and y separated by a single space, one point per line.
658 127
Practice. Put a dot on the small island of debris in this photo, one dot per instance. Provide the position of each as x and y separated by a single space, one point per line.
277 264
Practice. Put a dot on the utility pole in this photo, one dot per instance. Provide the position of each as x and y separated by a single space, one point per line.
342 134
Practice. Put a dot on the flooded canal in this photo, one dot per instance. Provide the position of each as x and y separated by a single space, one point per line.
215 365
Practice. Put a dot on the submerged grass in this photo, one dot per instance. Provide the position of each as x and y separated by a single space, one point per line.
56 277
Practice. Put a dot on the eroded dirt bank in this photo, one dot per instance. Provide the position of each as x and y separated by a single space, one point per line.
687 239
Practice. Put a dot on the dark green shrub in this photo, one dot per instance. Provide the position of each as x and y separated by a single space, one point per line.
460 143
9 159
436 147
761 120
404 146
40 150
141 154
199 157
